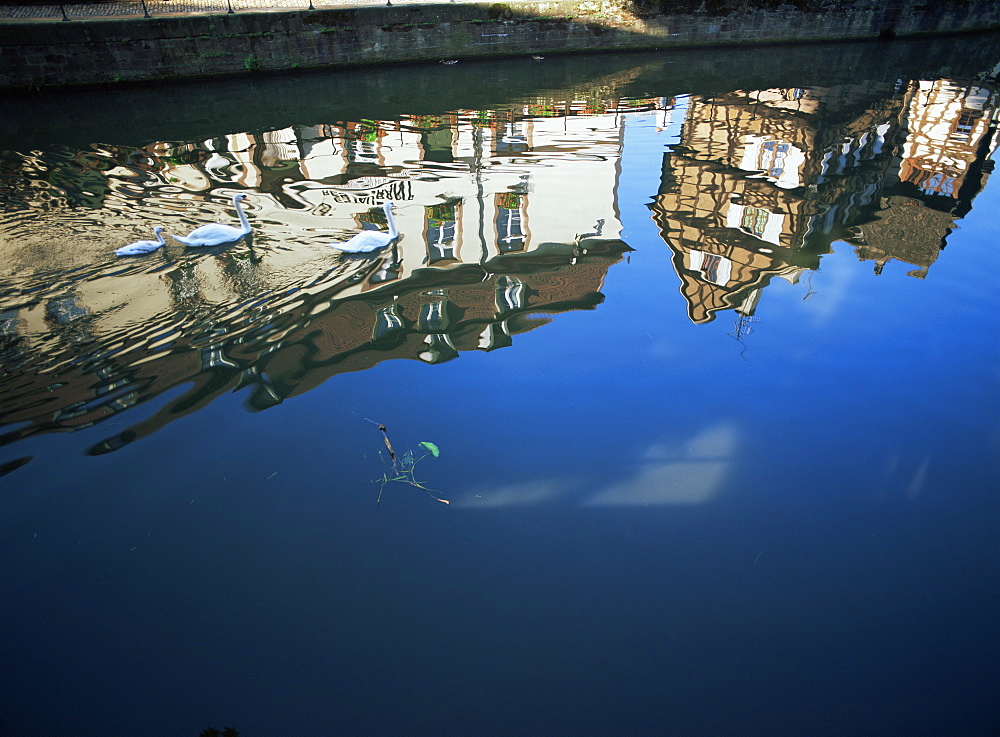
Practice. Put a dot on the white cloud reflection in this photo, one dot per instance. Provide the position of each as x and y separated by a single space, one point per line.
665 473
526 494
918 481
691 473
831 284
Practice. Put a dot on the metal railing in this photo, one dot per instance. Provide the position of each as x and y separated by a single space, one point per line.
154 8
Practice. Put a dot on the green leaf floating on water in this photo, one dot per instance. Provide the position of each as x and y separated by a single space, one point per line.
431 448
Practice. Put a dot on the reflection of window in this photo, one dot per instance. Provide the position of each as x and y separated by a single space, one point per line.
213 357
387 320
712 267
494 336
513 140
442 228
434 317
123 402
929 182
439 349
754 221
278 149
388 271
965 123
757 222
110 387
437 146
362 152
510 293
510 222
772 158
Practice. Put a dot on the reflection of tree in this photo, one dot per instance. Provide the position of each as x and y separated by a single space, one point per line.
185 289
69 319
243 272
905 230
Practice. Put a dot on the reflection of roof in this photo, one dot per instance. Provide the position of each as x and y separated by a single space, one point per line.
307 344
341 338
750 271
723 248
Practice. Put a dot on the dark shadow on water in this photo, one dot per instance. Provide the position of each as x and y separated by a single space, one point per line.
200 110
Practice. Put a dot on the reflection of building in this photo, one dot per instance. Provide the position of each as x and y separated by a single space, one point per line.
296 343
535 178
734 204
943 163
469 186
729 234
761 182
504 218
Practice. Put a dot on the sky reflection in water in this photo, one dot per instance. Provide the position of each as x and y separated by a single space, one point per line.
707 341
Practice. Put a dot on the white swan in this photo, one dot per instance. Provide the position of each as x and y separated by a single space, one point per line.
140 247
371 240
217 233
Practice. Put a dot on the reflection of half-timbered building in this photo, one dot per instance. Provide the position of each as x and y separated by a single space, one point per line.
753 179
729 234
943 163
762 182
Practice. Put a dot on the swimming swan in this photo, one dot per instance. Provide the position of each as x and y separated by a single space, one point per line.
217 233
140 247
371 240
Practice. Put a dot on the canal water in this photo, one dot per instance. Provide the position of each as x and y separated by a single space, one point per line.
672 409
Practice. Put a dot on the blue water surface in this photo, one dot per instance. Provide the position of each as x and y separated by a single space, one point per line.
775 524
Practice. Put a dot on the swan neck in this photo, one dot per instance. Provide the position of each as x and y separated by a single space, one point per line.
242 216
391 220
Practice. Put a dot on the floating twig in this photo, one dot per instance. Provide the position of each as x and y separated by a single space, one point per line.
385 437
403 469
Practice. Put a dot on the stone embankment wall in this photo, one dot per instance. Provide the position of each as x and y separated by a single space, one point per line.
40 54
